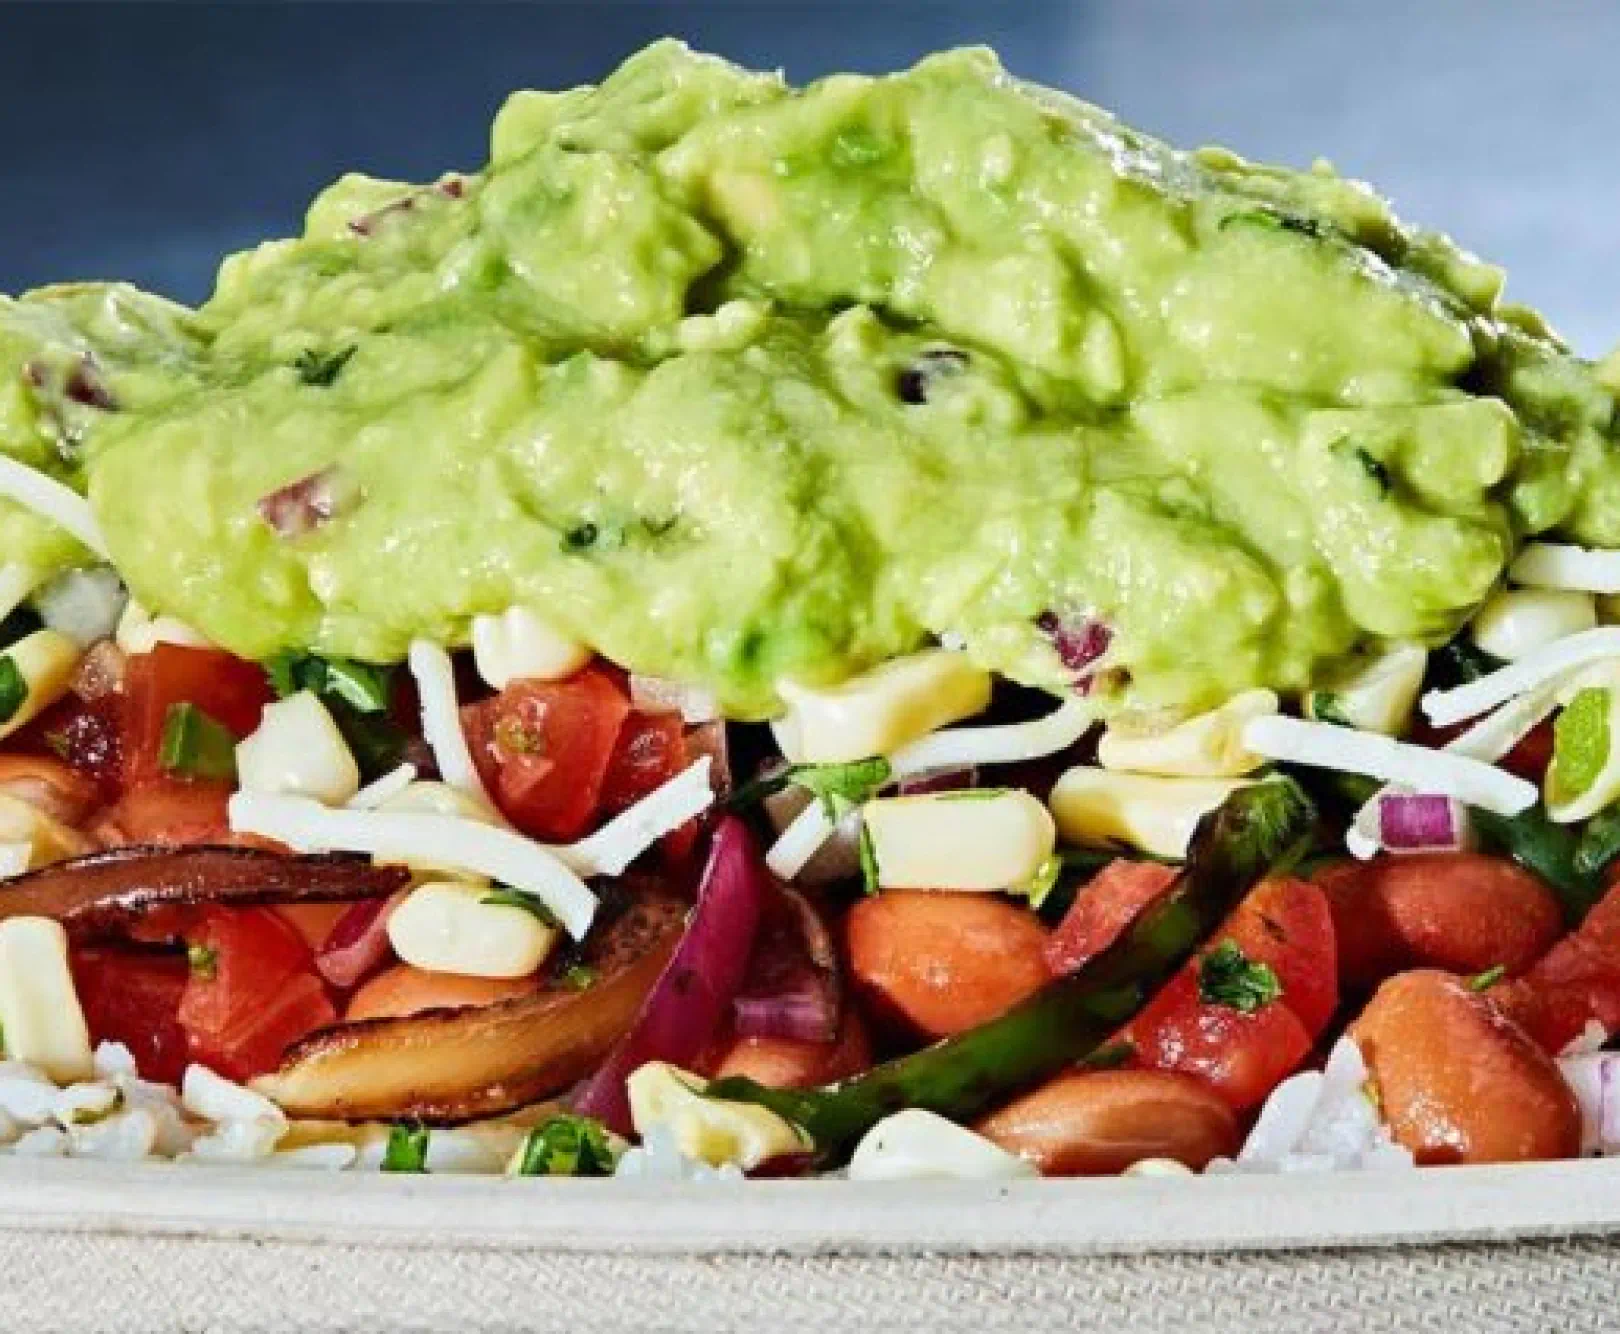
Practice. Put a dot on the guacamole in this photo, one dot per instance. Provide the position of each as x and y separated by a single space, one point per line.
740 383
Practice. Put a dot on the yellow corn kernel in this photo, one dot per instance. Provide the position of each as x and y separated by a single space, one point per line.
39 1010
47 840
970 840
519 646
1101 808
1373 696
880 710
1209 745
448 928
298 749
712 1130
45 660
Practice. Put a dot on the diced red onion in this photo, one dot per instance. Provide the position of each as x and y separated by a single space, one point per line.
793 988
303 506
1079 643
358 942
694 994
1421 822
85 386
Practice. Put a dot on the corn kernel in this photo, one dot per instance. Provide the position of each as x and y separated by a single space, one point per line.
298 749
881 710
1209 745
518 646
39 1010
1101 808
971 840
45 660
448 928
712 1130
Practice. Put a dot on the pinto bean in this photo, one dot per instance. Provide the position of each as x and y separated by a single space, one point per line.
404 990
933 963
1098 1123
1458 1081
1459 911
794 1063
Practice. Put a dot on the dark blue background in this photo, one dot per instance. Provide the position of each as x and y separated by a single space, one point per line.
144 141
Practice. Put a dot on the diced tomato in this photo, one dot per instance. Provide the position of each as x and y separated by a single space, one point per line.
256 995
228 689
313 921
87 735
1575 983
544 749
133 997
1288 924
1241 1055
1102 910
170 811
651 750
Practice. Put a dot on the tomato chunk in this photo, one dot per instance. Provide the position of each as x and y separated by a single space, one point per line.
651 750
133 997
1102 910
252 991
231 691
1575 983
1243 1054
170 812
544 749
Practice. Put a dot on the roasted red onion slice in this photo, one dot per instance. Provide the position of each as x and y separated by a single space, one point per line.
358 944
793 987
106 892
695 992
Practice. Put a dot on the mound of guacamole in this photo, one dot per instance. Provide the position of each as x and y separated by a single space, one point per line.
739 383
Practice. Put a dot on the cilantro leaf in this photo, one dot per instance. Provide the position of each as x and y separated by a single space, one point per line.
321 370
1226 976
516 898
566 1145
869 861
194 745
839 786
407 1147
13 688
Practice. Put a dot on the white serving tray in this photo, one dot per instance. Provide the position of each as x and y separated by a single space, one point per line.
814 1217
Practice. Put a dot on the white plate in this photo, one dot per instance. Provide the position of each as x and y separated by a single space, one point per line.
809 1217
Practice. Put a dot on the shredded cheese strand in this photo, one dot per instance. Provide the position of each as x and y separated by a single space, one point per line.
444 840
1326 746
1443 707
441 718
799 842
384 789
1009 743
630 833
1556 565
47 497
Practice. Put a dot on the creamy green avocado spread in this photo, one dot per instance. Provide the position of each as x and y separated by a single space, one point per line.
740 383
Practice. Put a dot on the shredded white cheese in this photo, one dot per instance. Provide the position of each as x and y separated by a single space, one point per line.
441 718
1010 743
1443 707
46 496
630 833
382 790
1326 746
799 842
442 840
1554 565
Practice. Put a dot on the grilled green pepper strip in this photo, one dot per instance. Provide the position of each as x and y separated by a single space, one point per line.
1256 829
1547 850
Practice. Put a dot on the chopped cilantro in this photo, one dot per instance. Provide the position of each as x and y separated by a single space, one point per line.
567 1146
1599 843
581 537
1226 976
321 370
13 688
1375 470
194 745
407 1147
203 960
839 786
1488 979
516 898
869 861
579 977
1045 880
1327 707
364 686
